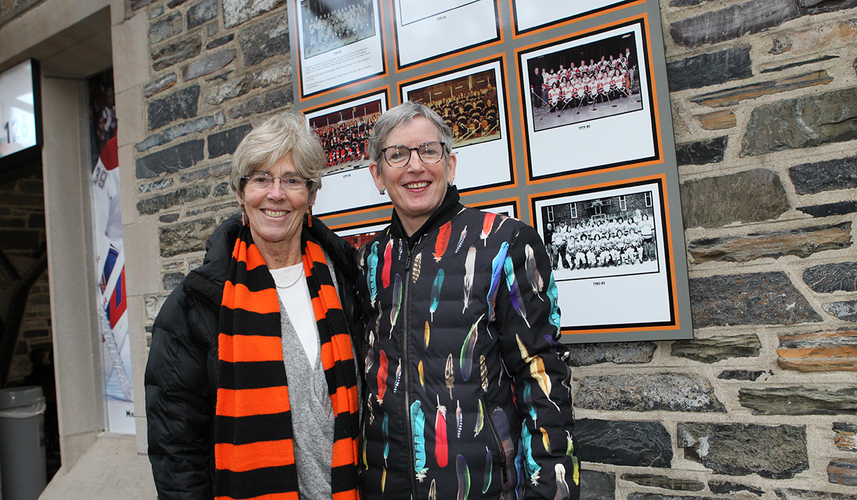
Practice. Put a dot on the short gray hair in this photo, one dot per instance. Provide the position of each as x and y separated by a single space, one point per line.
278 136
403 114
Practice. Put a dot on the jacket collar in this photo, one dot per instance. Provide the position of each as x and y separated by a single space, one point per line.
448 208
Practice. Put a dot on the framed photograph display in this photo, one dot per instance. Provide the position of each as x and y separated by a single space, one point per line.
344 130
472 100
427 30
529 15
560 118
339 43
588 102
610 247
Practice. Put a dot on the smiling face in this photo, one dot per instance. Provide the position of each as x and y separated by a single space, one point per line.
416 189
276 216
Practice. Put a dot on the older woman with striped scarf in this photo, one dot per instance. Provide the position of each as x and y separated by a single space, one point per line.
251 383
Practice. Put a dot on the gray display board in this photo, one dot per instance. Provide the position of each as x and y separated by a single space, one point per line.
560 112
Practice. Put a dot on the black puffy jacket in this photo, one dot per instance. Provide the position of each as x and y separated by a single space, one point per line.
466 386
181 374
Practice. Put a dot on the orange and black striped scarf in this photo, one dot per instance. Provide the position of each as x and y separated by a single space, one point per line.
254 448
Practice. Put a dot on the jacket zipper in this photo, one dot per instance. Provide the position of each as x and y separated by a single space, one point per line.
406 369
496 436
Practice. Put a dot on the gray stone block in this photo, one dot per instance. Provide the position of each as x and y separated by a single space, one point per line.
747 375
732 487
830 209
217 42
596 485
180 130
802 242
710 69
733 22
201 13
748 299
775 452
733 96
842 471
171 160
799 401
225 143
845 310
164 28
714 349
160 85
752 196
270 101
804 122
236 12
157 185
793 494
617 442
171 280
185 237
829 278
828 175
176 53
179 105
265 39
669 483
213 63
701 152
648 392
620 353
155 204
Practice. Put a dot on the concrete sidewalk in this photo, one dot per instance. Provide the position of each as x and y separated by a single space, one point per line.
111 468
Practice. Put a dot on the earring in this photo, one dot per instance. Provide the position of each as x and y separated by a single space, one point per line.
382 191
309 216
243 215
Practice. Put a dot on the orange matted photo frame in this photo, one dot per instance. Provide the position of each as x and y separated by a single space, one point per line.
611 251
425 31
472 99
530 16
344 128
582 97
338 44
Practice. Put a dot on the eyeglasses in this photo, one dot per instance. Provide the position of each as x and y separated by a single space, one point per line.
429 152
264 180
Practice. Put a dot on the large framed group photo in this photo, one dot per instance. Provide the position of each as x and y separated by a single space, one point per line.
610 249
344 129
588 103
339 41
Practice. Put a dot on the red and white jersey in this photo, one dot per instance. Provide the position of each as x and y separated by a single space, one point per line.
554 95
105 200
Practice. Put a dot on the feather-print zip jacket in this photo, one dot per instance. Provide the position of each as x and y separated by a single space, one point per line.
467 392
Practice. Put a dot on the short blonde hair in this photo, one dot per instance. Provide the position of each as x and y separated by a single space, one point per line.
278 136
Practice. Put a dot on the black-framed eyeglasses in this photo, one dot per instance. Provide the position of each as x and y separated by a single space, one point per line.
429 152
264 180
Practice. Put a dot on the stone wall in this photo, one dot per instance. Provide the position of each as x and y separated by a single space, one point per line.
762 403
11 8
22 237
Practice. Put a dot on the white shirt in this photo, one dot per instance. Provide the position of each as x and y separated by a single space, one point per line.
294 294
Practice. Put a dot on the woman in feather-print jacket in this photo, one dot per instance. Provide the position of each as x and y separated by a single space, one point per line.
467 392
